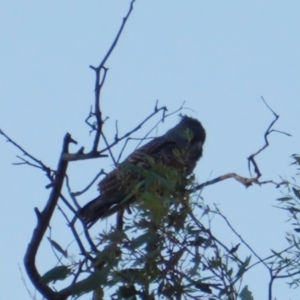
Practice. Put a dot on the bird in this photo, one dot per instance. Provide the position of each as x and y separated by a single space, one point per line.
179 148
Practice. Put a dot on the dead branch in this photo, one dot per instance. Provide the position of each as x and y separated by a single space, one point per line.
243 180
251 160
82 156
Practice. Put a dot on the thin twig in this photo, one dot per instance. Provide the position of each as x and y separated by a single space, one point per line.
66 202
25 284
109 150
75 234
139 126
90 184
100 81
39 162
251 158
240 237
72 196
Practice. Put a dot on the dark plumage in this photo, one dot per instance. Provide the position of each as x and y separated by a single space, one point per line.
187 138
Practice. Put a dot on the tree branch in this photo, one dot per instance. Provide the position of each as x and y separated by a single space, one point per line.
100 81
41 227
268 131
251 159
40 164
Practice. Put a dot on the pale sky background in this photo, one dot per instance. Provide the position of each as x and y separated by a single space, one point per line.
218 56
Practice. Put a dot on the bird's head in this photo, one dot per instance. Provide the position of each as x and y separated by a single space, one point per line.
188 131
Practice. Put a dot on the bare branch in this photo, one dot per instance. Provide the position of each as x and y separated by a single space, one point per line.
241 238
72 197
25 284
75 234
243 180
66 202
89 185
100 81
41 227
251 159
82 156
126 135
116 38
109 150
163 117
40 164
268 131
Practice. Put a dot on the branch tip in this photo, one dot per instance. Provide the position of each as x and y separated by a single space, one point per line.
269 107
38 213
72 141
50 185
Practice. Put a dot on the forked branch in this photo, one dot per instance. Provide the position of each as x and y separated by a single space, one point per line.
251 160
101 72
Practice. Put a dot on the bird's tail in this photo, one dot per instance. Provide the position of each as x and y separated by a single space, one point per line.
99 208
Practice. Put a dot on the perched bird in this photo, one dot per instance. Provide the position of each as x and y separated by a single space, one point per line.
179 148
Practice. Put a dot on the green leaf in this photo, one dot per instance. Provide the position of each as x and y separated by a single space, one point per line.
215 263
242 267
204 287
276 253
91 283
57 273
164 181
116 236
58 248
234 249
131 275
109 255
245 294
296 193
198 241
287 198
296 157
139 241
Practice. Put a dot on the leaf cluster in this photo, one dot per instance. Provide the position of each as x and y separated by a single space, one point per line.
163 250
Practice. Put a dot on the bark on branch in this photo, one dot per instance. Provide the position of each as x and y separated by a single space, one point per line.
43 219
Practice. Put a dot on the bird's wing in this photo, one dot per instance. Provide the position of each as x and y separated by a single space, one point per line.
117 185
114 181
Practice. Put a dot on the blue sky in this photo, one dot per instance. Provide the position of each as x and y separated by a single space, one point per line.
219 57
